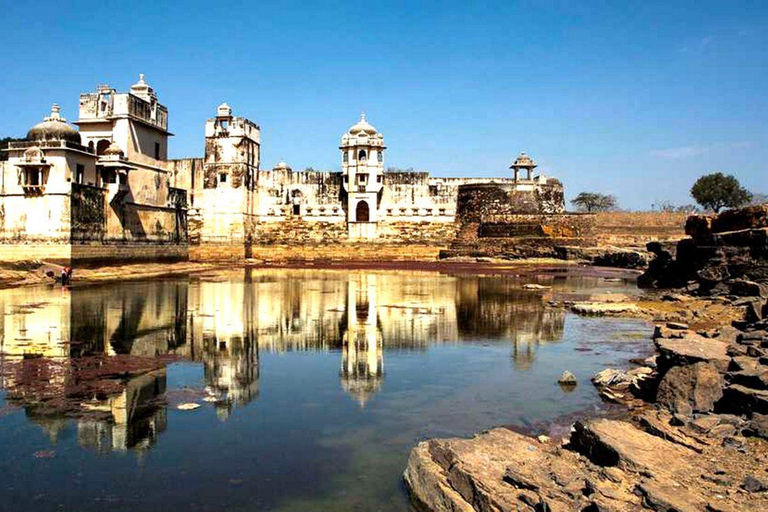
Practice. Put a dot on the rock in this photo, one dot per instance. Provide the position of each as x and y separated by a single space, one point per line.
728 334
616 385
699 227
665 496
677 326
610 466
567 379
757 426
691 388
705 423
190 406
752 484
747 288
657 426
692 349
534 286
739 219
602 309
744 363
721 431
503 470
662 331
618 443
753 378
621 258
738 399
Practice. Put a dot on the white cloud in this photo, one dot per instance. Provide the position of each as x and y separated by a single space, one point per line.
692 151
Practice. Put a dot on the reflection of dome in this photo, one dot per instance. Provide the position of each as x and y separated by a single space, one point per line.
114 150
54 127
361 127
362 389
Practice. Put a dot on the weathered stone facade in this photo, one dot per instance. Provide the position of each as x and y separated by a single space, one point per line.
363 202
111 183
100 193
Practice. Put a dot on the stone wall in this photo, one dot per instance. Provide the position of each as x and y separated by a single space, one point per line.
476 201
569 225
635 229
88 213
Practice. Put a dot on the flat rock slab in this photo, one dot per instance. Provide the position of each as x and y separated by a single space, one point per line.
691 349
603 308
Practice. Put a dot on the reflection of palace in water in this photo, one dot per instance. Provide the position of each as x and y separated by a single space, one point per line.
224 322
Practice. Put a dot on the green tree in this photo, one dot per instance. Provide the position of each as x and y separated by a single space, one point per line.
717 191
594 202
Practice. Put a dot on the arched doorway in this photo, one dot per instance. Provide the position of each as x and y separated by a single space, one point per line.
102 146
362 212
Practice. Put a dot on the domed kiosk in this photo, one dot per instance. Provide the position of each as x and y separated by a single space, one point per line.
362 167
54 128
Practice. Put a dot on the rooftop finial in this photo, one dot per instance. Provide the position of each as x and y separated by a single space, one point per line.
362 115
55 113
141 78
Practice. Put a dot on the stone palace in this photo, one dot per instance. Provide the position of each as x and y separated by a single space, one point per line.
107 190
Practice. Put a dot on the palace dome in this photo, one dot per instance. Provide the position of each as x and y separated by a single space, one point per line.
524 160
114 149
54 127
282 166
362 126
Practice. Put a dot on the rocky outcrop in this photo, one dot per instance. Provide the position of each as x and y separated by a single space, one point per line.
701 448
605 465
727 254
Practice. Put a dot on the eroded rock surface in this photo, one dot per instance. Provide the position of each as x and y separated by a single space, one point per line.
607 465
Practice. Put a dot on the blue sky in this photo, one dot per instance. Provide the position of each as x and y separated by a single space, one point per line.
636 99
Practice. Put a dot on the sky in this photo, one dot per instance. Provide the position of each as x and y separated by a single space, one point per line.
635 99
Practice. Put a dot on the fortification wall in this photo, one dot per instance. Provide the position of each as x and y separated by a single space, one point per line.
479 200
635 229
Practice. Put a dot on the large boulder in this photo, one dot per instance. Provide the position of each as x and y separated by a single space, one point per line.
690 389
692 349
750 217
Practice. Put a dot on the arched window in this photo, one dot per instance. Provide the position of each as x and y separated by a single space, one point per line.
380 156
345 158
361 155
362 212
102 146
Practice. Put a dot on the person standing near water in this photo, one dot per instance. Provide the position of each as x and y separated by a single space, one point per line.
66 276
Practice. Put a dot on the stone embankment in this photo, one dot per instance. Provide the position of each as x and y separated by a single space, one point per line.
695 436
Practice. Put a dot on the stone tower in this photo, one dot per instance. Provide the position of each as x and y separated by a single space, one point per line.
225 203
362 167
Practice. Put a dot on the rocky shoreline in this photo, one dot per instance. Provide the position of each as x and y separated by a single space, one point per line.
695 434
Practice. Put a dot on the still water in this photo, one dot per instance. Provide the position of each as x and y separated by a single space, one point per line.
313 385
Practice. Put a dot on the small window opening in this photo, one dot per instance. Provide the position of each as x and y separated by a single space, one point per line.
297 209
223 177
80 173
157 151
